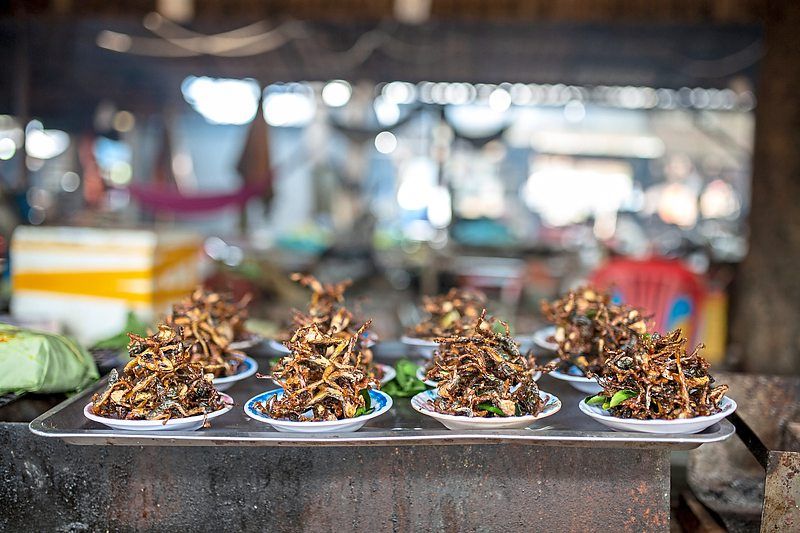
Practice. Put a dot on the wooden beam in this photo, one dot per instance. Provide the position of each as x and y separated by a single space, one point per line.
719 11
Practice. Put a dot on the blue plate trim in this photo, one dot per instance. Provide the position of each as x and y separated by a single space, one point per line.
379 403
247 368
575 371
246 365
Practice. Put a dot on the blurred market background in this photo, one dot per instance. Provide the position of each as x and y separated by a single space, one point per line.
517 147
410 147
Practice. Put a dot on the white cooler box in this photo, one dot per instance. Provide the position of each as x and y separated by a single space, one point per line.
88 279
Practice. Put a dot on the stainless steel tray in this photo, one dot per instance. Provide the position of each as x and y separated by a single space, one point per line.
401 426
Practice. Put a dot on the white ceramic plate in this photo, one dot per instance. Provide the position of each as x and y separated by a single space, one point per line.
190 423
421 405
246 369
422 378
251 341
580 382
538 340
388 373
420 347
277 346
380 400
679 426
431 383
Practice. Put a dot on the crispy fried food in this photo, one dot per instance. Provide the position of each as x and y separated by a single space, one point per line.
210 322
326 308
159 383
656 378
320 379
454 313
483 374
588 325
328 312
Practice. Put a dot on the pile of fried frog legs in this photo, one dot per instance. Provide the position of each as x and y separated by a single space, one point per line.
209 322
328 312
588 325
159 383
660 380
322 378
483 374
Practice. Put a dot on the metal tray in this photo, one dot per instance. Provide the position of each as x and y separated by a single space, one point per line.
400 426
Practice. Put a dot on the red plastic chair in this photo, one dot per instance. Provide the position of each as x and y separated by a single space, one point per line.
656 286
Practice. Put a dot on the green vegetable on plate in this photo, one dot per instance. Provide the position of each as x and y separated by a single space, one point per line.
367 408
615 400
405 384
491 408
120 340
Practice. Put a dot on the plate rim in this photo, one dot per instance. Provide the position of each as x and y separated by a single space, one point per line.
261 417
539 337
557 405
229 404
277 346
420 375
389 373
244 344
241 375
568 377
729 409
418 342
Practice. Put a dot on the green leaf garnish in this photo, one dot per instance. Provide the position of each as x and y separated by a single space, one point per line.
597 400
367 398
367 407
621 396
491 408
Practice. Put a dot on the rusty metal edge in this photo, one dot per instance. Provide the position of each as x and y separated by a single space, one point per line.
781 508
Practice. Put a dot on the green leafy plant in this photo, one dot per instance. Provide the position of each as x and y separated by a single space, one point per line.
405 384
120 340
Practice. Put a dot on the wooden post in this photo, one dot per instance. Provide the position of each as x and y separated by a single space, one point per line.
765 318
